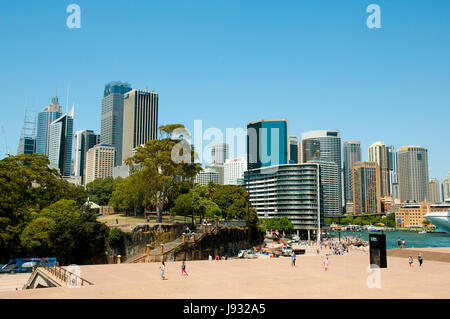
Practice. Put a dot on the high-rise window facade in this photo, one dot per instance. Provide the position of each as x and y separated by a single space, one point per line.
140 120
352 154
112 117
413 173
84 140
378 153
44 119
60 144
366 188
267 143
329 144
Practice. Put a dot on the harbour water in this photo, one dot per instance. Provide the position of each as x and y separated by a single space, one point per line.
412 239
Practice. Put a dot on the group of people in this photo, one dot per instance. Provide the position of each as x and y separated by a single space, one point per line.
401 243
163 269
419 258
225 257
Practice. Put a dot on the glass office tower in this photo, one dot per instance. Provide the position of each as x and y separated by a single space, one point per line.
352 154
413 173
111 131
267 143
329 150
293 150
60 143
45 118
84 141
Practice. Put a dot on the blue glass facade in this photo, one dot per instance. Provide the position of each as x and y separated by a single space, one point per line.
267 143
111 132
45 118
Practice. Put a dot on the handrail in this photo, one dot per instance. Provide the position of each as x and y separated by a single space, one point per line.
63 274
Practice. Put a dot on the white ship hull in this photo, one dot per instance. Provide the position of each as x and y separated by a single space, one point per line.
440 219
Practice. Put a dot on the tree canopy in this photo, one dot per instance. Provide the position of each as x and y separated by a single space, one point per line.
160 164
43 215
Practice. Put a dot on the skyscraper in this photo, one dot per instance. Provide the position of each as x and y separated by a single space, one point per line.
293 150
99 162
366 188
393 172
434 194
267 143
291 191
413 173
140 120
329 179
329 150
112 117
446 188
84 140
60 143
45 118
219 153
310 149
234 170
378 153
27 142
352 154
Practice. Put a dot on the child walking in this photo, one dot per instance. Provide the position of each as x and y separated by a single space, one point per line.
325 263
162 268
183 268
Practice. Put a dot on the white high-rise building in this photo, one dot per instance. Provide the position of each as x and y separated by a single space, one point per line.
99 162
234 169
208 174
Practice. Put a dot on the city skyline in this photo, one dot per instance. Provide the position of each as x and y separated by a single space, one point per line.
387 70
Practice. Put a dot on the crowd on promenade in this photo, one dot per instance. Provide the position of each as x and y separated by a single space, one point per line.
344 245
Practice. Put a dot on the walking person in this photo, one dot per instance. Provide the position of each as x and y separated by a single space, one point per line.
403 243
293 256
399 243
183 268
210 258
325 263
410 260
163 269
420 258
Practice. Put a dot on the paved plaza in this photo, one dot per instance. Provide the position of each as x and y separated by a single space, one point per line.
275 278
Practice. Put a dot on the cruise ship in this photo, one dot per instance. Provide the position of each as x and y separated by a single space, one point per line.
440 219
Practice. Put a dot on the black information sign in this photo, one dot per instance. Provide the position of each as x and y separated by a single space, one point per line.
377 243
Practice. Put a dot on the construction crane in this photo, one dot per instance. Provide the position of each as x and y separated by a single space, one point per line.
4 139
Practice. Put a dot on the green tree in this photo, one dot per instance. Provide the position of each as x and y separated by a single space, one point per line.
36 236
183 205
100 190
161 162
76 236
115 238
285 225
27 185
131 194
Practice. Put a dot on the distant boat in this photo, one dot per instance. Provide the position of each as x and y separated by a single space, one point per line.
422 232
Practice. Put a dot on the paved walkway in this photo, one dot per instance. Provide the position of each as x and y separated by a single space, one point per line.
11 282
347 277
428 254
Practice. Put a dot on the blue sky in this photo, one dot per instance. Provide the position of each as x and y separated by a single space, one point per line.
231 62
